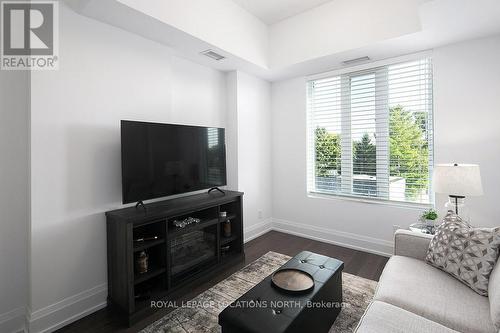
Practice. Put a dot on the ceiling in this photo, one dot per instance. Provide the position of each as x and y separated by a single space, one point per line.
424 25
273 11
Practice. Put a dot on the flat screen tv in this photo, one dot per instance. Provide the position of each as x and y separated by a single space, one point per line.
165 159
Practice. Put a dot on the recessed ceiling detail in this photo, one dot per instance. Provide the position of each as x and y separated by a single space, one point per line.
273 11
316 40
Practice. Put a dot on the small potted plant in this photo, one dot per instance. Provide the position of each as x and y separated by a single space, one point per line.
429 217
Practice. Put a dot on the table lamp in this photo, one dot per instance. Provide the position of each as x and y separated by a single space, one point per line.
458 181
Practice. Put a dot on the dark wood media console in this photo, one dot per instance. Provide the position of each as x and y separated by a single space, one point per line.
178 257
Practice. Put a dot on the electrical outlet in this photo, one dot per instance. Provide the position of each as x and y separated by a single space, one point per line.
260 214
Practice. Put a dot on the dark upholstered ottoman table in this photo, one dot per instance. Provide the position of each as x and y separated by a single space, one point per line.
267 309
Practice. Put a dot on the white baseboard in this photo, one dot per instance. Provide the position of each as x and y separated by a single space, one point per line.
13 321
336 237
62 313
257 230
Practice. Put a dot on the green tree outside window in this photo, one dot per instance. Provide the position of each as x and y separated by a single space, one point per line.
408 149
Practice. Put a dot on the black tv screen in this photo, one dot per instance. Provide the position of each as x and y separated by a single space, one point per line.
164 159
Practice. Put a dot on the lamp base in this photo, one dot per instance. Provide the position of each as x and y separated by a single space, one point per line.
456 204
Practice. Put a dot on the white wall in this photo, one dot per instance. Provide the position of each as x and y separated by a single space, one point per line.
249 142
467 83
105 75
14 198
467 122
232 129
254 151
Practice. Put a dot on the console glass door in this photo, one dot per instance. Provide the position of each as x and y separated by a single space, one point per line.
193 249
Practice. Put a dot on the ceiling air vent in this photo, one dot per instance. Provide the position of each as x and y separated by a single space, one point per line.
355 61
212 54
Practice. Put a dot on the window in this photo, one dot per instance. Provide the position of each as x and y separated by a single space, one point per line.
370 133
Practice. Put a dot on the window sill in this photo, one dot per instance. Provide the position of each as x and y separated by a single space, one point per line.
390 203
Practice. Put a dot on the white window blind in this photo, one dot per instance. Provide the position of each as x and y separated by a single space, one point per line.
370 133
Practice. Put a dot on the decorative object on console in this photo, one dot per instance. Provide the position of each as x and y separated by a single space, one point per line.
145 239
227 228
185 222
141 263
458 181
468 254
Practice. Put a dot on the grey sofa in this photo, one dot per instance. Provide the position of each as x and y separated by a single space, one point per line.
412 296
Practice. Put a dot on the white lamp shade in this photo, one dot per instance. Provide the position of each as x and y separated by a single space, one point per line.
457 179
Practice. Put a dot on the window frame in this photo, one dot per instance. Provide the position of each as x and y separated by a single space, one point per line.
310 153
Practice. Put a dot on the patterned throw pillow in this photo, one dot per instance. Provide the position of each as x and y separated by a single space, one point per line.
469 254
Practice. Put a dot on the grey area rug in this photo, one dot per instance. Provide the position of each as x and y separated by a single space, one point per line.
201 313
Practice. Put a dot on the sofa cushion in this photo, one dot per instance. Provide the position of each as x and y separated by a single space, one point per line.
467 253
431 293
387 318
494 295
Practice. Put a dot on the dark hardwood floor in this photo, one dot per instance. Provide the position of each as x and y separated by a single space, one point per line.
359 263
